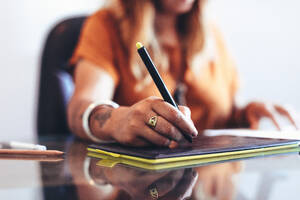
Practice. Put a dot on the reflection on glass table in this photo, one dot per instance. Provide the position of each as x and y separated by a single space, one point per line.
196 183
79 177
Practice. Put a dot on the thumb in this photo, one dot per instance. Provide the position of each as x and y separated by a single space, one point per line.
186 111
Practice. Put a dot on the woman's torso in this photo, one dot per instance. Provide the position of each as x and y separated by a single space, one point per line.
211 86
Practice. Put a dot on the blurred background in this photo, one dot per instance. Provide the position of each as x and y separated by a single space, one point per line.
263 37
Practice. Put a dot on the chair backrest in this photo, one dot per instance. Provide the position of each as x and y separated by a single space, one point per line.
56 84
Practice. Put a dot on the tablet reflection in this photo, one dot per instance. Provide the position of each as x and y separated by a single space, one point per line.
93 181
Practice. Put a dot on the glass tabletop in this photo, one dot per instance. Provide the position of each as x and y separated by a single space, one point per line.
78 176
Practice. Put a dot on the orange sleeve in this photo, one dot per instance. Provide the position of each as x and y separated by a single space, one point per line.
96 44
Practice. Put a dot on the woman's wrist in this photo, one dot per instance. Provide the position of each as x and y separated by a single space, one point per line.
99 122
91 114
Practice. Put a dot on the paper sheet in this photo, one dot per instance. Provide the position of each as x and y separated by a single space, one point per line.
291 135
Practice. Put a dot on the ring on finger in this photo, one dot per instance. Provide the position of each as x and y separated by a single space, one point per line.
153 191
152 121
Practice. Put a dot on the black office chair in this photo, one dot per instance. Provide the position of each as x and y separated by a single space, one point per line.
56 85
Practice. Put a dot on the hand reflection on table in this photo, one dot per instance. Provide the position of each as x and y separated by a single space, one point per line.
217 181
140 184
122 182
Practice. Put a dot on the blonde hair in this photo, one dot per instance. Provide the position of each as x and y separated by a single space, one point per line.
136 23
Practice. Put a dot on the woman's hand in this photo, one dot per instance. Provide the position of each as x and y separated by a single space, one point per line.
129 125
255 111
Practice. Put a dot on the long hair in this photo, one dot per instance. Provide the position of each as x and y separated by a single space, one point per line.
136 23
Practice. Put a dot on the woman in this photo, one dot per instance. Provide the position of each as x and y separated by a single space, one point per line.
187 51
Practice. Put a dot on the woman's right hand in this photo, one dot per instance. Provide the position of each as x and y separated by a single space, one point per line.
129 125
126 125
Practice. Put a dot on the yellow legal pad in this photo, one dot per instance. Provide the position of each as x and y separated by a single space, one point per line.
204 150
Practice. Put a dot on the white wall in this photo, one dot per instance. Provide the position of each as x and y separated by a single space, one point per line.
262 35
24 25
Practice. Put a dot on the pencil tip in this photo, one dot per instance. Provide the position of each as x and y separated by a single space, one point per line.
139 45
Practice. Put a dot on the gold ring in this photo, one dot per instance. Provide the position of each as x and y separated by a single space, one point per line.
153 192
152 121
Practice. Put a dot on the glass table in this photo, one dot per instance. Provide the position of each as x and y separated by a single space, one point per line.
77 176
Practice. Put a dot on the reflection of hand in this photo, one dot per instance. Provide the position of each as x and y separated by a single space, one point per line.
215 181
184 187
79 166
255 111
138 184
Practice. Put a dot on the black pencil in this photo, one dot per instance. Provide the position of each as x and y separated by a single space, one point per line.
158 80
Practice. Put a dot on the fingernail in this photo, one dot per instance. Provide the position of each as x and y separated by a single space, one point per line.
173 144
168 143
195 133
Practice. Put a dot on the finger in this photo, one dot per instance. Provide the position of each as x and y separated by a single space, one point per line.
225 188
175 117
282 111
259 111
208 187
165 128
270 115
138 142
173 145
237 167
167 183
155 138
267 112
253 121
186 111
184 187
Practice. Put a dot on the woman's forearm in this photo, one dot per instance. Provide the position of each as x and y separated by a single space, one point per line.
75 112
91 85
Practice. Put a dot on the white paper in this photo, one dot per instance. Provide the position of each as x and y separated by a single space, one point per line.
291 135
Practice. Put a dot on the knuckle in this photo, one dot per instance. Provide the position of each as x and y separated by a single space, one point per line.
151 99
163 142
178 117
176 134
132 125
136 113
167 129
187 109
184 108
174 114
148 99
172 130
129 139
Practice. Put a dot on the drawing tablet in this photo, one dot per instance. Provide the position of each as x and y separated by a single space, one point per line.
204 149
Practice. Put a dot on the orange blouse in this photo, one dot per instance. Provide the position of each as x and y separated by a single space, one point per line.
210 90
